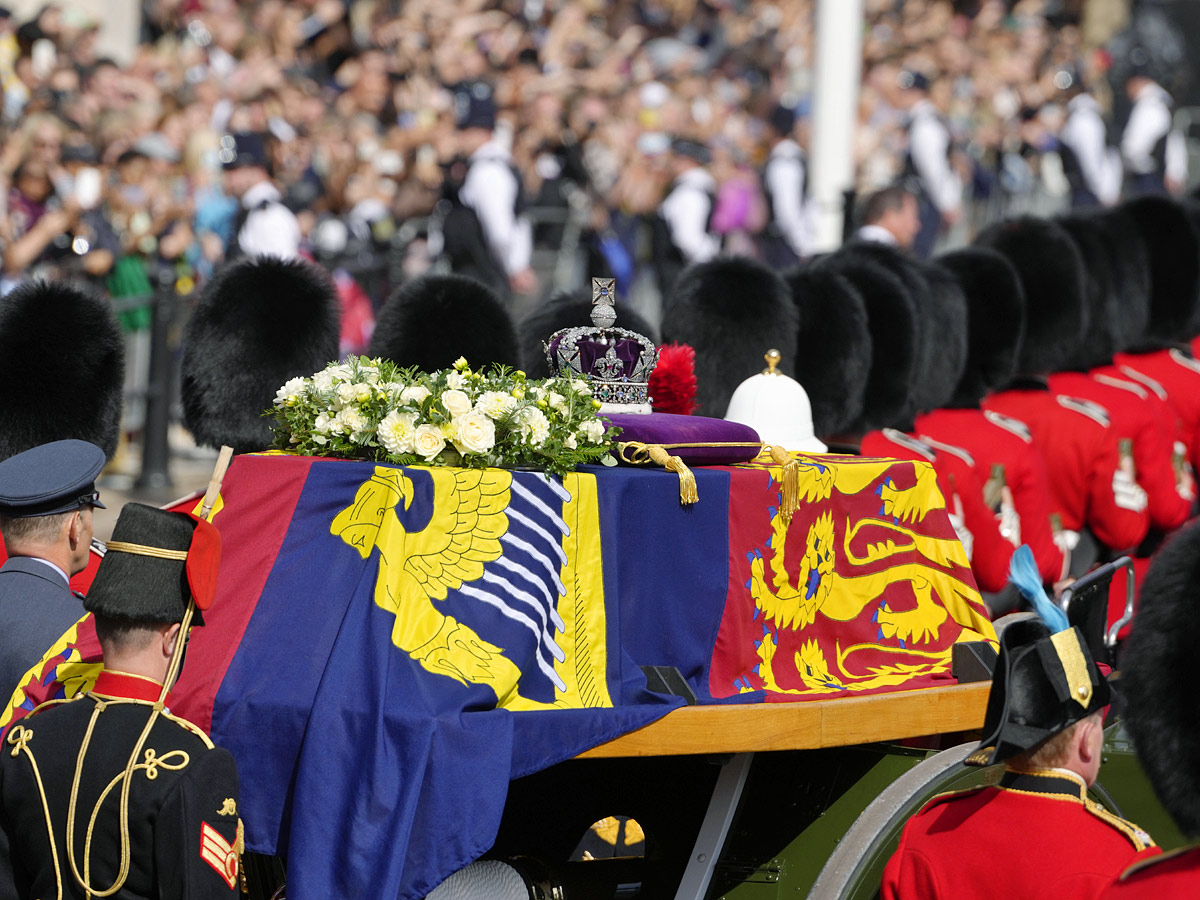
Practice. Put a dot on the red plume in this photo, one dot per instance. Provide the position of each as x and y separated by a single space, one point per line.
673 381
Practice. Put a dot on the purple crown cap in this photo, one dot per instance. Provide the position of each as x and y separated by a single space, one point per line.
616 362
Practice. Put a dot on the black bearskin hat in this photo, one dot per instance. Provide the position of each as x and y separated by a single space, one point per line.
944 330
138 582
62 368
995 320
730 310
567 311
1130 264
1160 709
1174 254
893 325
259 322
833 356
1100 341
1051 273
433 320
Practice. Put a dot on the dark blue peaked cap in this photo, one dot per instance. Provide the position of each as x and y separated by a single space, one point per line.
51 478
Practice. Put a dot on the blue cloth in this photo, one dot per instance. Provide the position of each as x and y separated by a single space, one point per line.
36 607
373 776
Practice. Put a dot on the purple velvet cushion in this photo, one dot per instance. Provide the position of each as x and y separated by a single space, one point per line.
715 441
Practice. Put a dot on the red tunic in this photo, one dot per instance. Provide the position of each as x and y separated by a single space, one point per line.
1080 449
962 488
993 440
1037 837
1174 874
1132 415
1179 375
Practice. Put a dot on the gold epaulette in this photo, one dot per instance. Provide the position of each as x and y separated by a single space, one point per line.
1137 836
192 727
46 704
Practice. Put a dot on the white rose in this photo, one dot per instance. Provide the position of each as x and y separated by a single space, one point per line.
369 373
428 441
323 424
353 422
347 393
456 403
474 433
415 393
557 401
495 404
593 431
455 380
362 391
323 381
581 387
290 393
340 372
570 443
396 431
534 425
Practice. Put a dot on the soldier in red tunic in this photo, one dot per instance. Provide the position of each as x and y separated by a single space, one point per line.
1161 354
1002 450
1091 486
1161 713
1036 834
859 319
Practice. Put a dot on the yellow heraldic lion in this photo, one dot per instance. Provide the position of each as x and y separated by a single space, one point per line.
416 568
794 603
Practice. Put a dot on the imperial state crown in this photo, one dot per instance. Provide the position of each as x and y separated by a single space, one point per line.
616 362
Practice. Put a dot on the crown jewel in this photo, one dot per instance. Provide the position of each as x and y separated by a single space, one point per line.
616 362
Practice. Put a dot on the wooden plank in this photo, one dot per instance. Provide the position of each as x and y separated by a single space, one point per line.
805 725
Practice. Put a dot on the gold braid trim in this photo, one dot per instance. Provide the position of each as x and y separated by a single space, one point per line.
687 481
143 550
1136 836
19 737
789 480
638 453
127 776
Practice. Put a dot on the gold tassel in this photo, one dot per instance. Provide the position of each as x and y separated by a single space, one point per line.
789 480
687 481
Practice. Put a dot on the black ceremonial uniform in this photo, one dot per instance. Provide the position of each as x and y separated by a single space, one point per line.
184 834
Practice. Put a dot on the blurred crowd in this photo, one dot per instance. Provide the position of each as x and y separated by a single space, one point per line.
113 173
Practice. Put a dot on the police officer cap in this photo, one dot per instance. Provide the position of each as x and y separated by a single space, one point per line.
782 118
692 150
51 478
474 106
912 80
243 148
